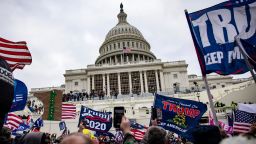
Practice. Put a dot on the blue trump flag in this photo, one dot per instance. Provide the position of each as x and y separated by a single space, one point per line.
214 30
95 120
20 96
179 115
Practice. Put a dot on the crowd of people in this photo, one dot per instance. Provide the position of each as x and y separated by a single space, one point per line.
82 96
203 134
35 106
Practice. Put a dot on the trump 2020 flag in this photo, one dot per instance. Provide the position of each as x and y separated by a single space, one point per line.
179 115
95 120
214 30
20 96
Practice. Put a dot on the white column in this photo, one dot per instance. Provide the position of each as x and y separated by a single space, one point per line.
127 58
143 57
93 82
119 83
88 85
103 79
133 57
141 82
130 82
122 58
110 60
116 59
146 81
162 80
157 82
108 87
138 57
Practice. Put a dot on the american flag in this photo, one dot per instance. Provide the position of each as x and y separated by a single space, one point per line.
138 131
13 121
28 121
243 121
16 54
126 50
68 111
138 134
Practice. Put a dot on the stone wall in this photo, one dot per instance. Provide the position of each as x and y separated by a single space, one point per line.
45 98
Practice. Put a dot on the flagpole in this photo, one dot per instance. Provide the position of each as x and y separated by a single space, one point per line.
210 97
50 127
241 48
203 72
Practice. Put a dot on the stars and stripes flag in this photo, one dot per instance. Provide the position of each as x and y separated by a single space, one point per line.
28 121
138 131
16 54
126 50
243 121
138 134
68 111
13 121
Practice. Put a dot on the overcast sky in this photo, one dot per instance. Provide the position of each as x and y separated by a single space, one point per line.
67 34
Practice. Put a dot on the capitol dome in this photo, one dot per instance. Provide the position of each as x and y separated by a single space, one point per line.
124 43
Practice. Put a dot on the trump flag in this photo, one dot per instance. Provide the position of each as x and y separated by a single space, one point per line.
179 115
20 96
214 30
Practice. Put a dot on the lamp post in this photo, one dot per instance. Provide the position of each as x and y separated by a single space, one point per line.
197 91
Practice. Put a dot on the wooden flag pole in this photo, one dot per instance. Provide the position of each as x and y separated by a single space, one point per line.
241 48
210 97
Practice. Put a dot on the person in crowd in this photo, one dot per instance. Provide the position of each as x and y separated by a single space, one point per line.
92 94
33 103
247 138
86 95
205 134
83 96
154 134
35 138
119 136
5 136
76 138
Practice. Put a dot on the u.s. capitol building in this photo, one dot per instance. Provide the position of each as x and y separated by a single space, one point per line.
126 65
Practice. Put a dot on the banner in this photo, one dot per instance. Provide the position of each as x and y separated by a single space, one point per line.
179 115
19 131
214 30
95 120
20 96
51 106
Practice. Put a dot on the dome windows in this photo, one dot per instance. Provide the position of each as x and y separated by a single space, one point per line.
118 45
